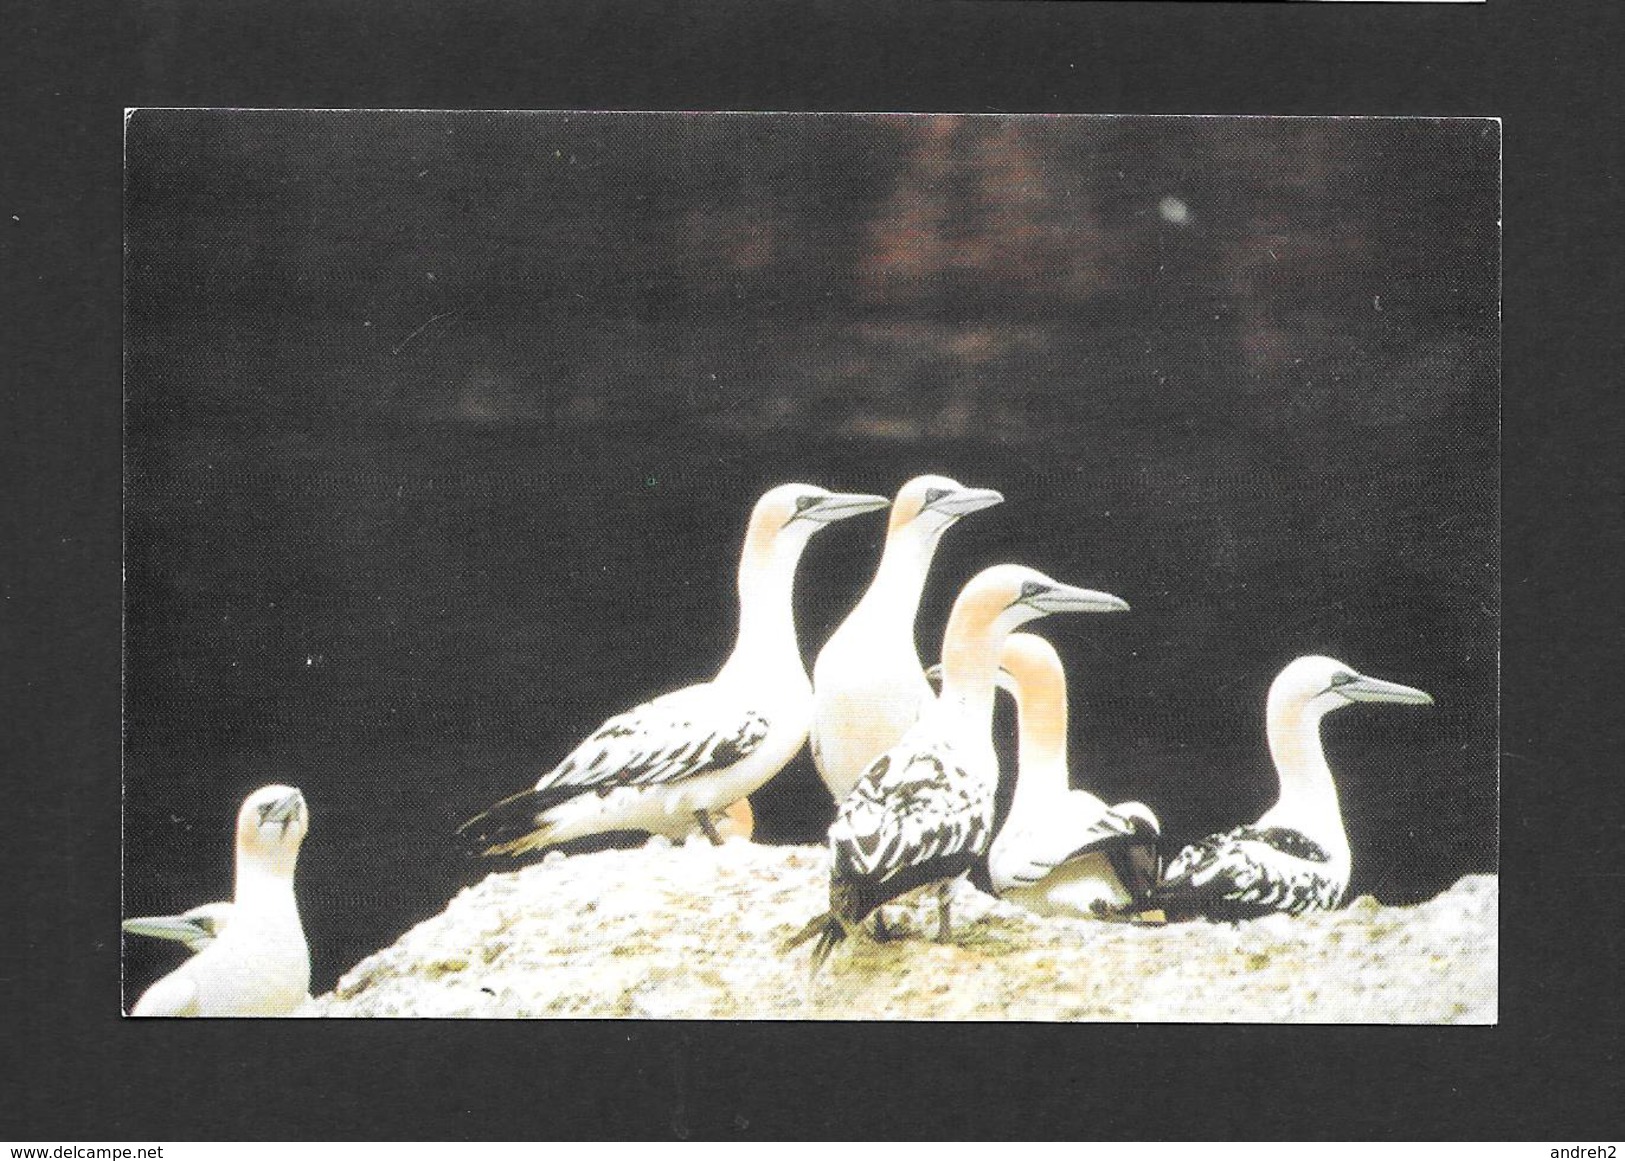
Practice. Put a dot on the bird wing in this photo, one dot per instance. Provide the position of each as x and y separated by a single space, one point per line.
1249 872
174 995
679 736
672 739
1077 825
911 807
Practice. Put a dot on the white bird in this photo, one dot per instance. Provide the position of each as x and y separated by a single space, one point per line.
196 928
259 964
678 760
1296 857
923 811
1063 851
868 689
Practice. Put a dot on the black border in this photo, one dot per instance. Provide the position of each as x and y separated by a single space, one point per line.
1548 1071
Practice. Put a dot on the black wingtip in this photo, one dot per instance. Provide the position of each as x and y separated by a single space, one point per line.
509 827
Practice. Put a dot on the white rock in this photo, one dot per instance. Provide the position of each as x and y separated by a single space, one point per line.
663 934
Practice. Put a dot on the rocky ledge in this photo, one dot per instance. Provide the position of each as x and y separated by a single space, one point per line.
694 931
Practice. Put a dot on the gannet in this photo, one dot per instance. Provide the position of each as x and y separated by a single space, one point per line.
196 928
1063 851
1296 857
868 689
923 811
258 964
675 762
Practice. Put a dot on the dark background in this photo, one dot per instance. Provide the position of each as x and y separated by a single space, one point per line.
1548 1071
442 428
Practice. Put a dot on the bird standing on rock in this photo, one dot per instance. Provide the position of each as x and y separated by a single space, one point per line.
674 763
923 811
258 964
868 689
1296 857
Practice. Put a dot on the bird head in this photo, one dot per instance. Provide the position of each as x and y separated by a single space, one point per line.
272 823
791 513
1009 595
933 504
1322 684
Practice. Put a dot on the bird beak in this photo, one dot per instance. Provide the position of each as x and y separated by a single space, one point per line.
840 505
1067 599
1364 688
284 810
176 927
965 501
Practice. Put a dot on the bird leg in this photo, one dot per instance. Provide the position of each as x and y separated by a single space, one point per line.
703 817
945 896
882 931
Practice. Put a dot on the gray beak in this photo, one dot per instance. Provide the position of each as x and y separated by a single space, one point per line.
840 505
1364 688
1067 599
195 932
284 810
965 501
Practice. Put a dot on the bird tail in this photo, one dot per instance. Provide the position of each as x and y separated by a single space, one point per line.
513 826
829 930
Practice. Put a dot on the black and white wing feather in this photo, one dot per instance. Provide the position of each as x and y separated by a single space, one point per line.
915 817
1249 872
687 734
673 738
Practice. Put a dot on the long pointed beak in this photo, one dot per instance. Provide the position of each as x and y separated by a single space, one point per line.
1365 688
176 927
967 500
840 505
284 809
1067 599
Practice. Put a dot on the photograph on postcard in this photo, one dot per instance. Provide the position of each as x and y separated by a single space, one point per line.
838 567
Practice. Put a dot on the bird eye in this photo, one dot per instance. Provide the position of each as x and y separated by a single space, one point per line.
805 502
932 495
1341 678
1030 589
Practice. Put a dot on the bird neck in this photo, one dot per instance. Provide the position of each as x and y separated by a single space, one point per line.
899 581
1040 741
264 881
1307 788
767 623
970 663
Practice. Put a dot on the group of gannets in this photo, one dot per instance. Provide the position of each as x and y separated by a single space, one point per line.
914 773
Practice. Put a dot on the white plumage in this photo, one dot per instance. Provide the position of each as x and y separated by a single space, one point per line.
258 964
1063 851
923 812
1296 857
680 760
868 689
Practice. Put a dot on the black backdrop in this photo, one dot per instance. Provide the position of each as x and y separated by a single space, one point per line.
441 430
77 1069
